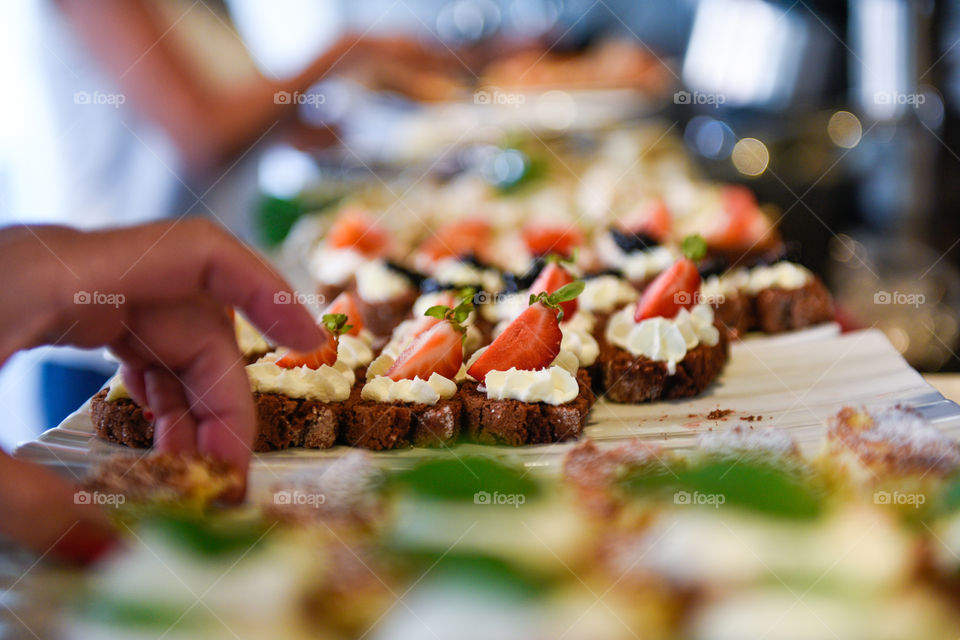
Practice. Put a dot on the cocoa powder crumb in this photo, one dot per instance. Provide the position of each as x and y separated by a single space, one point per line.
718 414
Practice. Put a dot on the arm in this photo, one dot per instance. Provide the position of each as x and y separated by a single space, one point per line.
207 124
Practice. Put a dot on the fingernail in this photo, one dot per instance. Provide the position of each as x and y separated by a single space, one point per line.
85 543
148 415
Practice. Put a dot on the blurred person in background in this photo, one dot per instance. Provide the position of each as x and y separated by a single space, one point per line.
135 110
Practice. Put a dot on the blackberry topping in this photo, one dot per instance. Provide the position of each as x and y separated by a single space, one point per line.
432 285
514 283
605 272
712 266
414 277
631 242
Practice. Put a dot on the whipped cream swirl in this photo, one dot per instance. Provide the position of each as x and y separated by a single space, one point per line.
324 384
663 339
376 282
430 391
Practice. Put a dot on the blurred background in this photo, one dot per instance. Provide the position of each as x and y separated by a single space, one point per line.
842 115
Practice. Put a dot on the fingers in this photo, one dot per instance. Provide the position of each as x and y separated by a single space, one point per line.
195 385
40 510
133 379
175 430
172 261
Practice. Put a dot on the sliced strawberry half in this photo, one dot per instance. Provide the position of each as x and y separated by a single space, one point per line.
674 289
545 239
325 355
437 350
653 220
345 304
552 277
458 239
531 342
357 230
741 223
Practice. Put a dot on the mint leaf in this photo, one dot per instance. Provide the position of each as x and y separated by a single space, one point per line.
568 291
694 247
437 311
336 323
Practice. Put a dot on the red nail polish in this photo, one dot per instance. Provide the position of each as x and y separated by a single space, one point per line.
85 543
148 415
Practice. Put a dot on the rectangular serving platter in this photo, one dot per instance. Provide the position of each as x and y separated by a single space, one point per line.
792 382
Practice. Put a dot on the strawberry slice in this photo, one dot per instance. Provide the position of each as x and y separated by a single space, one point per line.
741 223
345 304
545 239
653 220
458 239
437 350
325 355
355 229
552 278
674 289
531 342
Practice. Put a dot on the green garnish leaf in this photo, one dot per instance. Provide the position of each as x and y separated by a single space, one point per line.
749 485
462 312
694 247
336 323
209 536
568 291
563 294
456 316
463 478
559 258
437 311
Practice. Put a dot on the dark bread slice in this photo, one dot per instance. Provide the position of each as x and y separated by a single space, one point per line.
778 310
393 425
284 422
631 379
515 423
120 421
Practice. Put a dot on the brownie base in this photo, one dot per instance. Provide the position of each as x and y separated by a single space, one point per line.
778 310
284 422
120 421
515 423
735 314
631 379
394 425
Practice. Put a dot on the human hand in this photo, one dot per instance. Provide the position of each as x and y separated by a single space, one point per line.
157 295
